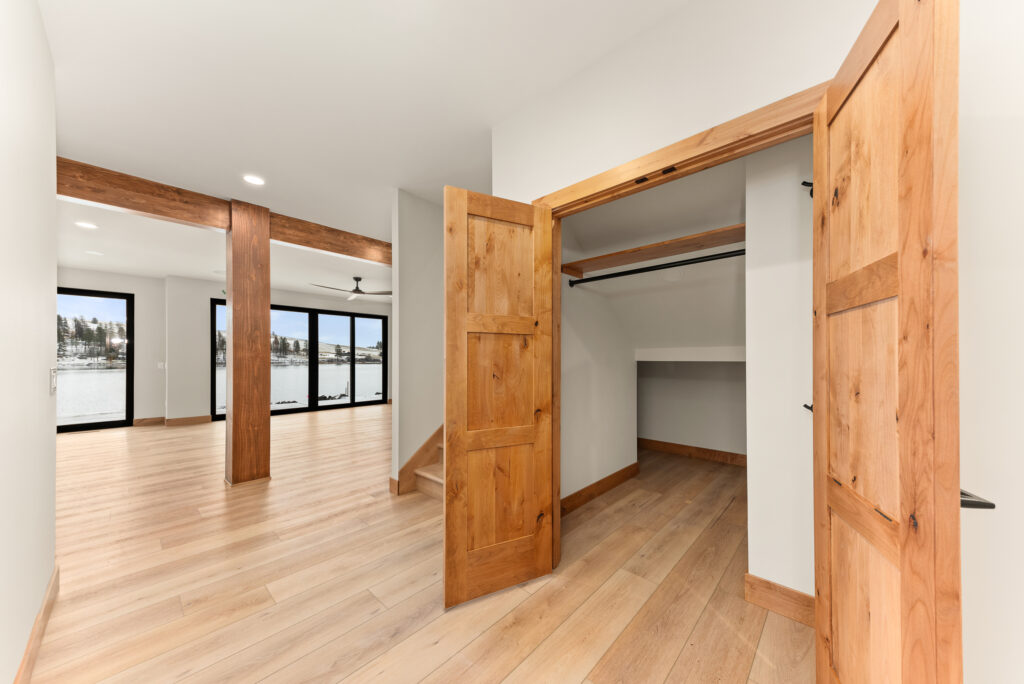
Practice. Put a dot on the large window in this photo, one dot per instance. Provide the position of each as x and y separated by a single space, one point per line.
94 359
313 362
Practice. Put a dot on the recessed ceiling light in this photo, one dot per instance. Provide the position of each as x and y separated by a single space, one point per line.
253 180
86 225
93 252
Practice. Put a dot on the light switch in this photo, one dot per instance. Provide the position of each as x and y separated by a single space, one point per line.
53 381
161 365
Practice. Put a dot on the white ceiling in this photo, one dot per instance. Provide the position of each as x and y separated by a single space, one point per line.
710 199
334 102
141 246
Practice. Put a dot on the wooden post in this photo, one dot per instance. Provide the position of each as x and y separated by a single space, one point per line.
248 356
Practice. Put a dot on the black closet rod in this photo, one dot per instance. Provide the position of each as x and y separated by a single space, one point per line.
659 267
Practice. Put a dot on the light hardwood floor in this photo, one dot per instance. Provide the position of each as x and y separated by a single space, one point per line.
321 574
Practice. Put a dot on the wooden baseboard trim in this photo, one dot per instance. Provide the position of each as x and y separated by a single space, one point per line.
429 452
35 637
190 420
143 422
790 603
393 485
592 491
726 457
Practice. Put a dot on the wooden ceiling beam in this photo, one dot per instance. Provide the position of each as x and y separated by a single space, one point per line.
94 185
307 234
97 186
718 237
784 120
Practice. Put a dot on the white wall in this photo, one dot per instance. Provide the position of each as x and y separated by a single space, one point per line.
417 357
28 278
598 391
188 336
149 342
699 404
780 452
709 63
991 327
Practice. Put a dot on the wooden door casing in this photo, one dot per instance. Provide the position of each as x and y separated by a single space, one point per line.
886 449
498 394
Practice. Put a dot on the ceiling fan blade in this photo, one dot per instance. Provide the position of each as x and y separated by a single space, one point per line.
328 287
382 292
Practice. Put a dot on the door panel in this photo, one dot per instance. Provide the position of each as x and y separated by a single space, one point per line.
498 394
886 473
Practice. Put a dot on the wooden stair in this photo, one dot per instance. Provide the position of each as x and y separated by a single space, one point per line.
430 480
425 469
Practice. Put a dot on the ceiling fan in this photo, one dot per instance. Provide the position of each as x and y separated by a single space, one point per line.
355 292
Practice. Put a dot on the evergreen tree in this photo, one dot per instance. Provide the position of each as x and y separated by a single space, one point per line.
61 336
296 347
337 351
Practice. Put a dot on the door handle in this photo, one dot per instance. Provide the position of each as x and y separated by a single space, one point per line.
809 407
968 500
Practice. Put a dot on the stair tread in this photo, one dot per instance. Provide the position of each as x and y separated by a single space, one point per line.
434 471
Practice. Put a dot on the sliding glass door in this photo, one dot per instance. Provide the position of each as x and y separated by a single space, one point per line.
94 359
334 377
313 362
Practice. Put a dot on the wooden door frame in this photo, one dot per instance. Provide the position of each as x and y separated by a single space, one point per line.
781 121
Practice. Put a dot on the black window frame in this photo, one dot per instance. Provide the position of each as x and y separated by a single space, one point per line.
314 359
129 397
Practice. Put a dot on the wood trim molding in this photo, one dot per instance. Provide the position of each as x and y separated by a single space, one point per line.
94 185
188 420
776 123
787 602
596 489
315 236
393 485
35 637
428 453
727 457
143 422
718 237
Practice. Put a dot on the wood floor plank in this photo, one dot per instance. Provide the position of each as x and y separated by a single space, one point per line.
321 574
573 649
785 654
672 611
722 644
500 649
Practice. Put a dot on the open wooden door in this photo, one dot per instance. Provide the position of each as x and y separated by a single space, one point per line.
886 449
498 394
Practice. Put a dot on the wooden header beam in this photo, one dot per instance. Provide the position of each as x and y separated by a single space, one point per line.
298 232
97 186
718 237
776 123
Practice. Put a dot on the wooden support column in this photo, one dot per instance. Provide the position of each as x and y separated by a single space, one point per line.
248 357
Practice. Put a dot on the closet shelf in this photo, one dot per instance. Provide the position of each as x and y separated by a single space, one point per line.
710 354
729 235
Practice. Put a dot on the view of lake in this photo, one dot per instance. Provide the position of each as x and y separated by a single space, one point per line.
288 384
90 395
